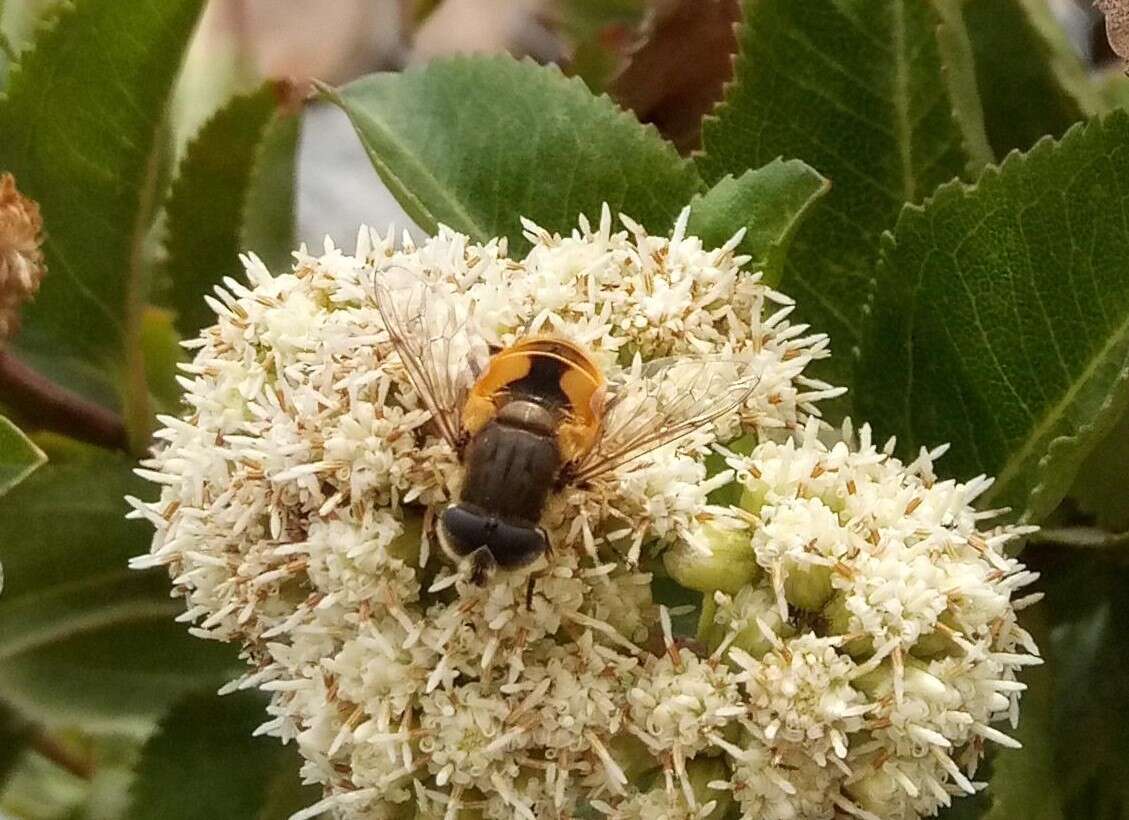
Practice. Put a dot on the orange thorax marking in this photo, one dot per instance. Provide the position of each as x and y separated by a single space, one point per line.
581 384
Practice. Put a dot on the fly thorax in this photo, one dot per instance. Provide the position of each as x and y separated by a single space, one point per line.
528 415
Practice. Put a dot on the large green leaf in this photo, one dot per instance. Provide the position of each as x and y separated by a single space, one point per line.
770 202
1001 322
15 732
1100 486
82 637
78 130
269 223
1085 645
1023 782
18 456
1031 82
203 763
206 204
6 55
475 143
871 93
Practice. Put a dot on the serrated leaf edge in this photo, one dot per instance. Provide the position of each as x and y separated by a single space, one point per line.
412 204
39 457
780 244
1057 451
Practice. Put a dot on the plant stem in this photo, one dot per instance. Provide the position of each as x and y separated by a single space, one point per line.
49 406
54 750
20 734
1085 538
135 402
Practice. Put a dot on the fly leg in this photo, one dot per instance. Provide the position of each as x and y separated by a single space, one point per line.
482 566
533 576
432 534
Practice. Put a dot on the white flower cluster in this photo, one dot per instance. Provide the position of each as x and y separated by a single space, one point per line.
874 638
854 654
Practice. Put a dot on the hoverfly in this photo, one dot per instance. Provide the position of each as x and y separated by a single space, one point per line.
537 416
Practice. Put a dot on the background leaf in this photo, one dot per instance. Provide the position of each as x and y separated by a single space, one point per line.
771 202
1001 322
82 637
1024 782
474 143
1100 488
1031 82
6 54
1077 740
269 222
207 201
15 731
106 68
203 763
859 91
677 70
18 457
598 31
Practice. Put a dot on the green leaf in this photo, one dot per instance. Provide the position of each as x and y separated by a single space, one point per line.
82 637
19 458
203 763
1031 82
594 29
1085 648
78 131
206 204
770 202
7 55
1001 322
269 223
1100 486
860 90
1024 781
15 732
476 142
160 344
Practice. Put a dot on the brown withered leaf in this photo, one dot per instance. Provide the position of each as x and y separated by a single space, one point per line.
679 67
1116 24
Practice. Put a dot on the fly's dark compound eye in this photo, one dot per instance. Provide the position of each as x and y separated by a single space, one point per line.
512 545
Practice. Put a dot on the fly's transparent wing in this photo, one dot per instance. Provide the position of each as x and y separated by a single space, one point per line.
661 402
436 342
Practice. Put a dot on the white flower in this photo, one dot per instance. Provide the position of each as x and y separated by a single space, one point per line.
294 516
860 632
880 643
681 701
800 693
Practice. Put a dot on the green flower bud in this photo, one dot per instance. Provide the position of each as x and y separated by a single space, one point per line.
938 642
406 545
701 771
916 680
877 683
838 619
728 566
874 791
632 755
808 586
753 497
749 606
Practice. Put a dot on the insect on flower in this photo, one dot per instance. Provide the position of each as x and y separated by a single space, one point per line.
537 416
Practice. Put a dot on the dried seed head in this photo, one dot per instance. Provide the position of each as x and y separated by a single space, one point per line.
21 260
